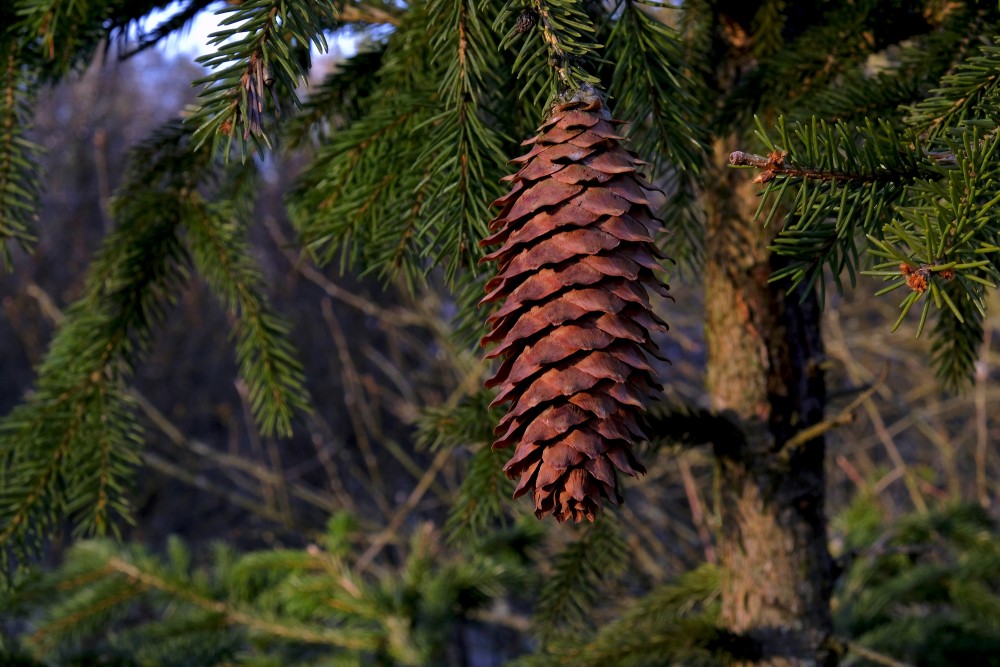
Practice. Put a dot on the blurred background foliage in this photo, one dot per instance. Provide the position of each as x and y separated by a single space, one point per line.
228 561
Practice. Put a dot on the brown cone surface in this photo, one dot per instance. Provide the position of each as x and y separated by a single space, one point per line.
575 267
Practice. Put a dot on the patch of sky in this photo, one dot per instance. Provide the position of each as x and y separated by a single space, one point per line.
192 40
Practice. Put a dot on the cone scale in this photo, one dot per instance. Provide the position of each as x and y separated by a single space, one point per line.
575 268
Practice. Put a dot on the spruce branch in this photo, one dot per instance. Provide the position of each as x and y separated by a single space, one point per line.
68 450
767 27
945 232
483 499
920 583
69 447
673 622
277 604
774 165
266 358
579 575
338 204
690 426
968 92
377 198
792 73
464 154
665 114
265 626
337 102
262 49
559 59
358 202
957 340
62 33
19 172
918 65
556 49
836 182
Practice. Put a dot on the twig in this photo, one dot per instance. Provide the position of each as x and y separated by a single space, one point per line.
358 13
334 291
513 621
774 165
982 431
697 513
273 490
857 372
202 483
557 56
845 416
874 656
357 404
45 303
397 520
851 471
262 474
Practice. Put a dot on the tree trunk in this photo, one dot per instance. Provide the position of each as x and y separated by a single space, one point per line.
764 354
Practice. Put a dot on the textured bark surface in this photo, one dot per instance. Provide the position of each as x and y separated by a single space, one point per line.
575 266
764 373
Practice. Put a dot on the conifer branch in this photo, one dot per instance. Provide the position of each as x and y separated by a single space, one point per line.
673 622
423 203
801 69
945 231
969 91
267 360
483 500
957 339
77 433
263 43
774 165
842 182
270 627
66 451
19 172
464 151
558 58
337 102
557 47
337 207
580 571
267 604
665 115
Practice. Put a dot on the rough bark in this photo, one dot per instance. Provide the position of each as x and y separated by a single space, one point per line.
764 352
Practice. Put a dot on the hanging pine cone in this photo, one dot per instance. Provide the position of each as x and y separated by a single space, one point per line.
576 259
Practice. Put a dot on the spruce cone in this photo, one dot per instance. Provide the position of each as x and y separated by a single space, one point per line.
576 259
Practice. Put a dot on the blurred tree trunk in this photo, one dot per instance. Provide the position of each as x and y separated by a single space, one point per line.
764 373
764 354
